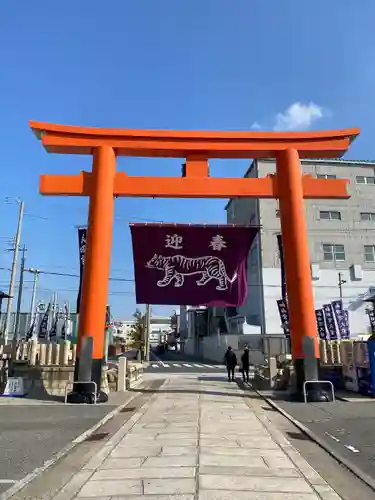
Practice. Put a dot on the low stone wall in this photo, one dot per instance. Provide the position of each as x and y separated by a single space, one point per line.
62 353
45 382
47 368
134 374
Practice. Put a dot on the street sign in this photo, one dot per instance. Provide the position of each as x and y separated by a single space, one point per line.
14 387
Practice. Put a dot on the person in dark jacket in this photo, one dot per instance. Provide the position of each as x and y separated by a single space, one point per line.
230 361
245 362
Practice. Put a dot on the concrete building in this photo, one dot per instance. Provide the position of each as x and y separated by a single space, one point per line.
341 240
122 329
159 325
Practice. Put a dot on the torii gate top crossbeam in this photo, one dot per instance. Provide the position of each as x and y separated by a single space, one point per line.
183 144
197 148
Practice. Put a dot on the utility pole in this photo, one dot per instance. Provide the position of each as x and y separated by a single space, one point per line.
35 272
19 300
13 273
340 283
147 332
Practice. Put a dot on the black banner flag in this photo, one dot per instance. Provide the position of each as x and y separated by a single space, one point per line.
282 266
82 235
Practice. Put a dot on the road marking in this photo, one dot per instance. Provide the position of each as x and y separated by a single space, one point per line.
351 448
332 437
7 481
161 364
158 360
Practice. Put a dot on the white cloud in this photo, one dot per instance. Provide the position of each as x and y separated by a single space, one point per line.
256 126
298 116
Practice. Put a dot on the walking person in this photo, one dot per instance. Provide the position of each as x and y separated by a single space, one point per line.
245 361
230 361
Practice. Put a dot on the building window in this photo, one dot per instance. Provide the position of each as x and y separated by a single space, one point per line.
370 253
330 215
326 176
360 179
368 216
333 252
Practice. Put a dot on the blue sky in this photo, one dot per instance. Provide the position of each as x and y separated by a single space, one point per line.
186 64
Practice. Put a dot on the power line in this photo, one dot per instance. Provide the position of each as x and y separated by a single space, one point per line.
69 290
116 218
58 266
127 280
51 273
74 290
68 275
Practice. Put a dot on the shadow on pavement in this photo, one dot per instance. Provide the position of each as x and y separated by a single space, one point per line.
236 384
188 391
298 435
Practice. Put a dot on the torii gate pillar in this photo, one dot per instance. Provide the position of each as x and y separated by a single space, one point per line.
104 183
97 265
297 263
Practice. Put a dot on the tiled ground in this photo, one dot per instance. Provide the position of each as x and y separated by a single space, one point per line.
198 440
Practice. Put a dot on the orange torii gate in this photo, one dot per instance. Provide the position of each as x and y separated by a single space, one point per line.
103 184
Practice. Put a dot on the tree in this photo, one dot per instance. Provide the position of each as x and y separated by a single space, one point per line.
139 327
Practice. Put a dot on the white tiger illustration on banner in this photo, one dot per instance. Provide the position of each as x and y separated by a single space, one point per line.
177 267
177 264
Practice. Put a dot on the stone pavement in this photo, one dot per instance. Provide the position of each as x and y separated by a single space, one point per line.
198 440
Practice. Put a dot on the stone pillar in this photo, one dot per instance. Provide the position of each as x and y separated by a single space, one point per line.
122 368
33 352
64 352
43 354
272 366
49 354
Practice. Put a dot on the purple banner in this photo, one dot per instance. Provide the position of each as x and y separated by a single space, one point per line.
371 317
179 264
43 327
330 321
108 317
321 327
82 235
346 316
282 266
341 319
284 315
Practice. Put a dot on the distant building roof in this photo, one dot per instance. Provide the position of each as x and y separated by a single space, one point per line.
332 161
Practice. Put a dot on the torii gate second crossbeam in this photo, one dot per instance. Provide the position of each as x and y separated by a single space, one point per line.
103 184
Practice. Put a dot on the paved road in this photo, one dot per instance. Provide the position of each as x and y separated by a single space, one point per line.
183 366
175 362
30 434
347 427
